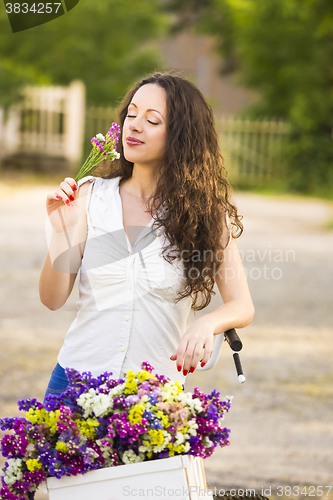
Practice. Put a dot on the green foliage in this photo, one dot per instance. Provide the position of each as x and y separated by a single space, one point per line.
100 42
284 50
12 78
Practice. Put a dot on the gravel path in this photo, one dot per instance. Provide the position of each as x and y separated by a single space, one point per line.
281 417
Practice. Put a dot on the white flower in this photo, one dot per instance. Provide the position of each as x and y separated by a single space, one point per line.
100 137
179 439
169 391
187 447
208 443
82 440
129 457
192 426
93 402
13 471
117 390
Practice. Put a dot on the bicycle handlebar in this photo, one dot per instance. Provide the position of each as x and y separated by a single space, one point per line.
235 344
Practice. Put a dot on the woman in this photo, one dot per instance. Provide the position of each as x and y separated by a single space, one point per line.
150 240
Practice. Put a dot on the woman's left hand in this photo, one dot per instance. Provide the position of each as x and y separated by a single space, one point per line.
199 336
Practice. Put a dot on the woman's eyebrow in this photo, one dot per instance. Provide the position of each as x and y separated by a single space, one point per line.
132 104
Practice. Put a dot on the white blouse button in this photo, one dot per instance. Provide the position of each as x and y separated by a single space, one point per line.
127 317
130 285
123 348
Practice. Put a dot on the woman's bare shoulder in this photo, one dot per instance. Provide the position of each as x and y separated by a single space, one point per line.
83 188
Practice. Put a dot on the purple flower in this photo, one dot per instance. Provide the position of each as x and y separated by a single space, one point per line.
155 424
146 366
6 494
52 402
152 398
26 404
7 423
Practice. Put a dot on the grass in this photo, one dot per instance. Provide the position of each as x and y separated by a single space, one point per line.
328 225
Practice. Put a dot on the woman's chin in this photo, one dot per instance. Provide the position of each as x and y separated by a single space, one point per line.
131 157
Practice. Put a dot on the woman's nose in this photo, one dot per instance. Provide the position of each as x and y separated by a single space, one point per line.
135 125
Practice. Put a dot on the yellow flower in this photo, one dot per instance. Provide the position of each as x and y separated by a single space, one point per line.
39 417
34 464
87 427
60 446
131 386
178 385
135 414
157 437
144 375
164 419
175 449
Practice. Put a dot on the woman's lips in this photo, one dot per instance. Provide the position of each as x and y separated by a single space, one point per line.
133 142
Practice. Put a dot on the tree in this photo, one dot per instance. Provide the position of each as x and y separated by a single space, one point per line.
284 50
103 43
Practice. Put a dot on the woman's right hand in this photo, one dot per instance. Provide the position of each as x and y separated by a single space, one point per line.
62 207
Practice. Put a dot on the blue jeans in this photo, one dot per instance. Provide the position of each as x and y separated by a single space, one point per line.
58 381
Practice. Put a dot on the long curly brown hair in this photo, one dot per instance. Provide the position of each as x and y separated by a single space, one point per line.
192 184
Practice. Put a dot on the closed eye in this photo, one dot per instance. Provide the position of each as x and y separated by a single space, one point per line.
133 116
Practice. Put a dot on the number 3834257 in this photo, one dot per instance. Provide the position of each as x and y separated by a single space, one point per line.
35 8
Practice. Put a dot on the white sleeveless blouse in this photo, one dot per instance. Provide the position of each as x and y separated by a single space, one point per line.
126 313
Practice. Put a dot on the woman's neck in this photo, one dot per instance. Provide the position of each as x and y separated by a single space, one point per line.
142 184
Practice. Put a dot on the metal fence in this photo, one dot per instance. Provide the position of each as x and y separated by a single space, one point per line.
253 150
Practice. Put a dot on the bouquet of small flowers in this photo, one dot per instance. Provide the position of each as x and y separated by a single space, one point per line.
104 148
104 422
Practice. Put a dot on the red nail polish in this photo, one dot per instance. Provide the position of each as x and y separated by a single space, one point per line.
71 197
67 202
58 197
179 368
75 187
185 372
202 365
192 369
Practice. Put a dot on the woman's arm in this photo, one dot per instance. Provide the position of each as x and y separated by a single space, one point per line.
236 312
63 259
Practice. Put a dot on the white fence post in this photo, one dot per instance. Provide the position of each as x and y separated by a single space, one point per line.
74 120
9 131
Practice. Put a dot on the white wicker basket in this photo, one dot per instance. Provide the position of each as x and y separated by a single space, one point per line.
176 478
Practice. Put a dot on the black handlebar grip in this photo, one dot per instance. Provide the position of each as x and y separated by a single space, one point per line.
238 364
233 340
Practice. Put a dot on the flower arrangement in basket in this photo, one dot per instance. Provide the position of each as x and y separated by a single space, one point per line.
104 422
